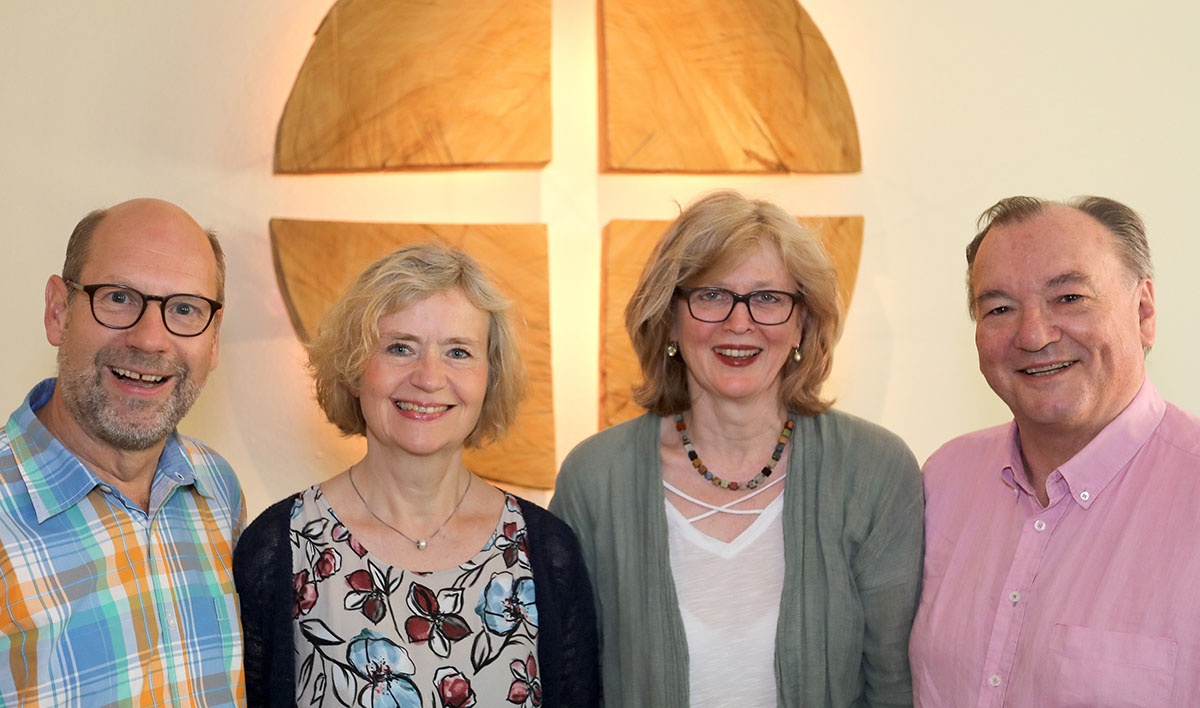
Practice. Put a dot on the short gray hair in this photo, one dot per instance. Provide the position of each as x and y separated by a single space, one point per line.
1121 221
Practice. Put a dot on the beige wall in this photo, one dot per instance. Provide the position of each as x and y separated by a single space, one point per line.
958 104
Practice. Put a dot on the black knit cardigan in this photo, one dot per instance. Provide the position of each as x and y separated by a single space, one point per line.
568 651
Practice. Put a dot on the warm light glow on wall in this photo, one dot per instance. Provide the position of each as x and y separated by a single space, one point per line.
372 96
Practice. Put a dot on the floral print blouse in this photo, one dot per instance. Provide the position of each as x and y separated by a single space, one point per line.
371 634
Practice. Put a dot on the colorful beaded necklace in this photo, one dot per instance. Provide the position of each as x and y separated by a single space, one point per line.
788 426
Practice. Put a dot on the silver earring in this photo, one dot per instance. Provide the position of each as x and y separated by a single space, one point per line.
672 349
796 355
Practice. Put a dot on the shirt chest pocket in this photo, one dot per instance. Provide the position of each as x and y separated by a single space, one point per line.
1099 668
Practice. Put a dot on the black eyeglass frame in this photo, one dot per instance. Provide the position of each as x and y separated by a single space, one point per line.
686 295
146 299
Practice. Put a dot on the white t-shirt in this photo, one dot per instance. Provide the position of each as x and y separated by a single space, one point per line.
729 596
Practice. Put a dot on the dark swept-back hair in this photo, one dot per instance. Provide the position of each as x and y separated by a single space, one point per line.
1126 227
348 335
710 238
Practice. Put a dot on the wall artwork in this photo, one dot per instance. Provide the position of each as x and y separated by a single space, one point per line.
717 86
685 86
420 84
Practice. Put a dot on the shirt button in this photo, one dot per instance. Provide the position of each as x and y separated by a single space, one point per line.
994 680
1014 596
1085 495
171 620
1039 525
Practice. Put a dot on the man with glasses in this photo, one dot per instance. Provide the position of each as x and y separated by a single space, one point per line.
116 532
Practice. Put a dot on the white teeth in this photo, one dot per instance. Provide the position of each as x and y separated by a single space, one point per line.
737 353
1041 370
148 378
418 408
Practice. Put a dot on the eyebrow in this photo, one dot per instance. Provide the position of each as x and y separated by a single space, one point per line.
994 294
1073 277
407 337
1069 278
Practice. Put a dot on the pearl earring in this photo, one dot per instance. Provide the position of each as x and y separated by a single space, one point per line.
672 349
796 355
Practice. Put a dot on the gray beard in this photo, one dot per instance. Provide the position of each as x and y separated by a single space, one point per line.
90 405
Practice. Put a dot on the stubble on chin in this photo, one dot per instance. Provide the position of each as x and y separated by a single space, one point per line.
132 425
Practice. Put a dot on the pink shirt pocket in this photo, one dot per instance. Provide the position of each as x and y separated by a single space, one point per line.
1099 668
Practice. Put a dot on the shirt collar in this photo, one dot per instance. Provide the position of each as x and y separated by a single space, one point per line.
1009 472
1092 468
55 478
1090 471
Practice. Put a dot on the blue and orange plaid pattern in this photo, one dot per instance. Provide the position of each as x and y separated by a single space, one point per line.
102 603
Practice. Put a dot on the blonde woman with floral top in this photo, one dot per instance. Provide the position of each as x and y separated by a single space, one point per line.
406 580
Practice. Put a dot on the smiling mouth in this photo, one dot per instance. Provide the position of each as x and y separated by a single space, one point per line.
418 408
133 376
1048 369
736 353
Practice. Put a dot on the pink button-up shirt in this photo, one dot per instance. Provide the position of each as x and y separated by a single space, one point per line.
1091 601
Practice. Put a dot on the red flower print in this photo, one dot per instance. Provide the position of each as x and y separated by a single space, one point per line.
328 563
306 593
453 688
359 581
340 534
526 689
435 618
511 543
369 591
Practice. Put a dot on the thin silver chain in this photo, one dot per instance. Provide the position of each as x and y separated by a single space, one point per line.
420 543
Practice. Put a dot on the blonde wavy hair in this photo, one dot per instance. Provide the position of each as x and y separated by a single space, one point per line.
710 238
349 334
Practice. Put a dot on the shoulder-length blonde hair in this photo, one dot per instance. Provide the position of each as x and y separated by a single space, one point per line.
349 334
709 239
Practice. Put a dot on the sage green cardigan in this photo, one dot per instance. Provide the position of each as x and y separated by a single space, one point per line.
852 547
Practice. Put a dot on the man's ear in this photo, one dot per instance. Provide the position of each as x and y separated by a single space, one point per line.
1146 314
216 343
56 316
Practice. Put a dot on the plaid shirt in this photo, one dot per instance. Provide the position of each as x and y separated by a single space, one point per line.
102 603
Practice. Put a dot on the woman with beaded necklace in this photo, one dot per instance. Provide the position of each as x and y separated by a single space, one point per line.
406 580
746 544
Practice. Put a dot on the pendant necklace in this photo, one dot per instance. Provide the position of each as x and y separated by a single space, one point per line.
706 473
420 543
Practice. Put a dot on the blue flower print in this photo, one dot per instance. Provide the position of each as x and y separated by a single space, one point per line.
507 603
386 666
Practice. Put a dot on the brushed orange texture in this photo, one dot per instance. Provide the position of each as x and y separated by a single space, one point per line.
746 86
421 84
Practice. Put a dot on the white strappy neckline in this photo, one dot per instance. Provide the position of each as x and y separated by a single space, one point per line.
723 508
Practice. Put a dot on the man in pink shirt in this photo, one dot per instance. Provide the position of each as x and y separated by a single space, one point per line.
1062 562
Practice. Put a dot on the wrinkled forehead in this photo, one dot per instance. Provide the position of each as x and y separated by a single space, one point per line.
155 249
1056 246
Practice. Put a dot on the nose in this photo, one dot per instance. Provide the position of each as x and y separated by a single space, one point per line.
429 372
739 319
1036 330
150 333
